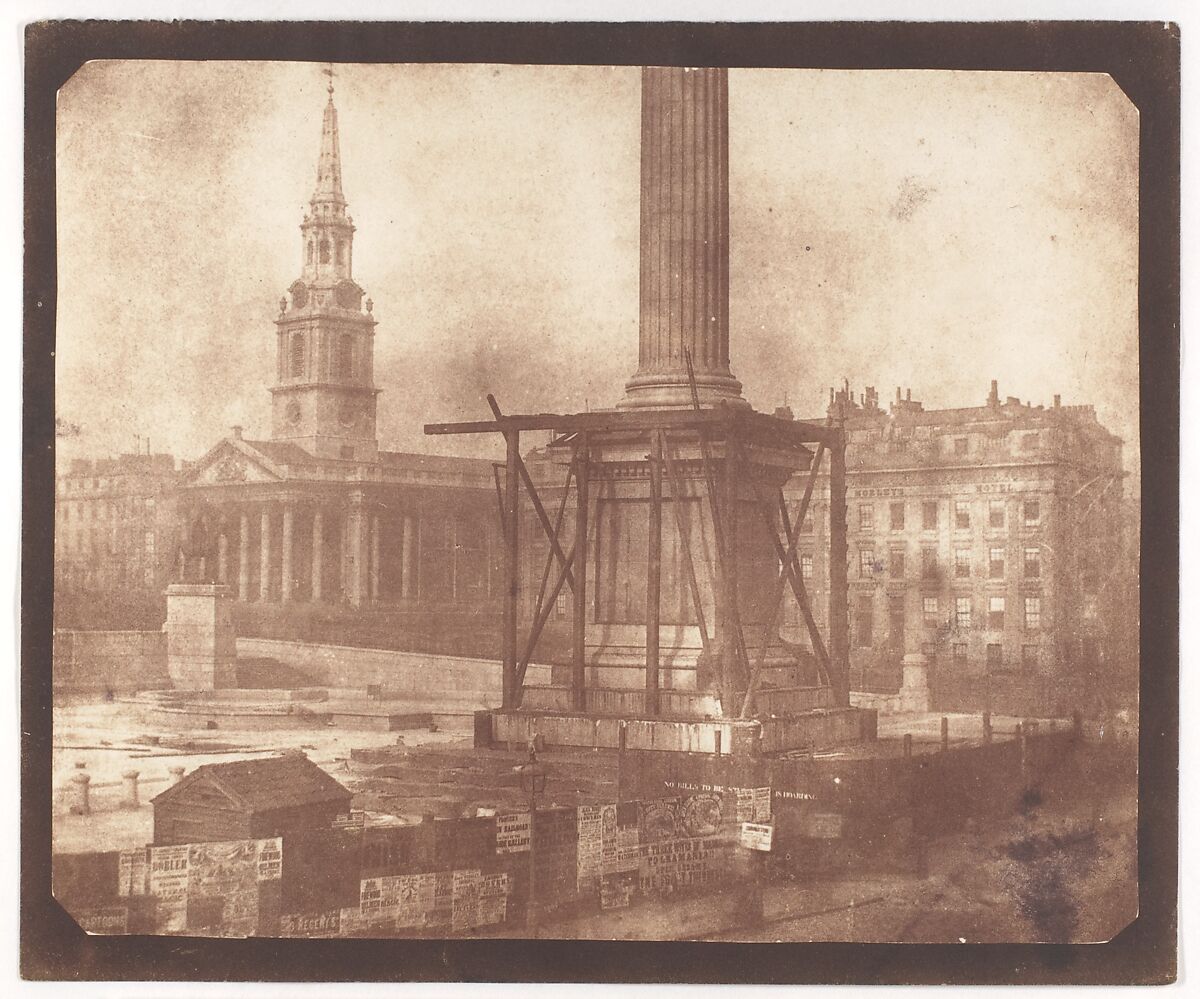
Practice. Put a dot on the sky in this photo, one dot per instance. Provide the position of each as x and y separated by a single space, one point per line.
928 230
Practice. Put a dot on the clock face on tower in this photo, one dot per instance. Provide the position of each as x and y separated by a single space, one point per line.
348 413
293 412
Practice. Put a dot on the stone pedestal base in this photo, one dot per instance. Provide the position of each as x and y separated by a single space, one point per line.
201 649
914 689
817 729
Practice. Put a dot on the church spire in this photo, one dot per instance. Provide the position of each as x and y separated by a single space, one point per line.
329 165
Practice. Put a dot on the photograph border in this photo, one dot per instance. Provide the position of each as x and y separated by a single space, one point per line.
1144 60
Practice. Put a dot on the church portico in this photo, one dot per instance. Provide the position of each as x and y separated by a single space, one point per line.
317 532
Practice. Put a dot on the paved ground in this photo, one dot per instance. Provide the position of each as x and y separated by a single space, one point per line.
111 738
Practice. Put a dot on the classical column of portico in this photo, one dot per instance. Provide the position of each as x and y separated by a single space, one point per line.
223 556
286 583
407 587
684 240
357 551
318 551
264 550
244 557
374 559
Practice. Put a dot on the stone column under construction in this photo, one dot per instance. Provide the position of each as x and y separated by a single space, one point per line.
684 240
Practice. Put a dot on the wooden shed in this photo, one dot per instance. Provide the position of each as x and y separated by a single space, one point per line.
248 799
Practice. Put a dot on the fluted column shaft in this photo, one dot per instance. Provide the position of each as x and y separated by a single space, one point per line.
318 550
684 239
264 564
244 557
286 583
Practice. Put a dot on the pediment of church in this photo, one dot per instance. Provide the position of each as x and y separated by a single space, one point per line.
227 465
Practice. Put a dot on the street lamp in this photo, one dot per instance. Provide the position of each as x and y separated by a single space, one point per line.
533 781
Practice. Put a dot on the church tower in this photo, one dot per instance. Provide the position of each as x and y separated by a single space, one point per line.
324 391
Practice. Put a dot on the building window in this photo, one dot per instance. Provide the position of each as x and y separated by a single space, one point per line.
1029 656
866 563
806 566
960 445
995 563
309 254
1033 613
962 612
962 563
897 516
324 251
959 650
865 620
995 655
1032 442
995 513
297 355
341 252
562 603
896 563
996 613
961 514
1033 513
929 563
929 517
1033 563
866 517
806 525
929 612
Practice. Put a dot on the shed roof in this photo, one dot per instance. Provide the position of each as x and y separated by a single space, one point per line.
266 784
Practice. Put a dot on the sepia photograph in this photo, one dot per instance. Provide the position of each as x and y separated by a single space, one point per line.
595 502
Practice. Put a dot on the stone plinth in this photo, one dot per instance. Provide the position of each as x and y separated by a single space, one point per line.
914 689
615 634
201 649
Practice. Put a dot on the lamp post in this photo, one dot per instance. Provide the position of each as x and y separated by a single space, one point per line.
533 781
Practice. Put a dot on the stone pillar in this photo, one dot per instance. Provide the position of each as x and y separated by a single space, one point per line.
264 557
223 558
374 559
357 551
80 794
244 558
318 552
176 774
914 691
285 575
129 780
201 645
407 581
684 240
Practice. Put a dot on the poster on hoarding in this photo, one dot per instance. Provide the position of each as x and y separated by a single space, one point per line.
512 833
169 872
133 872
756 835
589 832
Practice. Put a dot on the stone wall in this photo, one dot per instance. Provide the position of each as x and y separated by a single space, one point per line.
109 661
468 682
